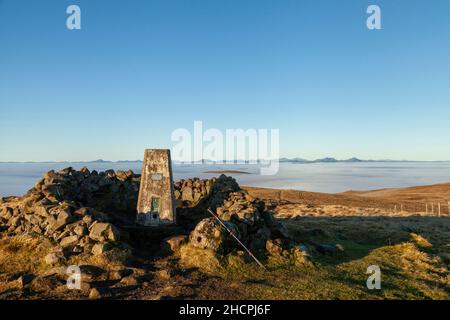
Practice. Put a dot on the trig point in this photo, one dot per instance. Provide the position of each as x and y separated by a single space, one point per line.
156 203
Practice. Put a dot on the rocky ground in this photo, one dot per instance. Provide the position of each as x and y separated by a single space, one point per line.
86 219
311 249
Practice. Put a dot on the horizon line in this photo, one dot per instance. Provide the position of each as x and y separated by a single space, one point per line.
282 159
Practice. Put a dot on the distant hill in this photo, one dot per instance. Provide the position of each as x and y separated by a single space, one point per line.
298 160
353 160
99 161
326 160
323 160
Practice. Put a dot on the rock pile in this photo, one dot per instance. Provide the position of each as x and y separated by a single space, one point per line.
104 191
206 193
246 216
83 211
212 191
68 207
192 190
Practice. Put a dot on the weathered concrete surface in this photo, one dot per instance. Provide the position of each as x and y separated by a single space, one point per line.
156 202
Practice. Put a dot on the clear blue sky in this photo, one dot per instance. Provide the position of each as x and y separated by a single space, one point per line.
137 70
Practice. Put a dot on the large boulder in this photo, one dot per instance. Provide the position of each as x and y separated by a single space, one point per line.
100 248
210 234
187 194
103 231
173 244
68 241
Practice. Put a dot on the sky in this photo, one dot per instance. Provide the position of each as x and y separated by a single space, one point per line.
138 70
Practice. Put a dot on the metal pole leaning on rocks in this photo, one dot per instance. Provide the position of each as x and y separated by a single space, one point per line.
239 241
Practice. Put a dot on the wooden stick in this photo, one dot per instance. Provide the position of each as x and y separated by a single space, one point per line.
439 209
239 241
426 207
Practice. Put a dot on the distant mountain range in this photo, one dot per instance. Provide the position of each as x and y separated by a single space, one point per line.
326 160
285 160
293 160
333 160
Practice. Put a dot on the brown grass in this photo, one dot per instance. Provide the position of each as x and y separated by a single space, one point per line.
23 254
412 199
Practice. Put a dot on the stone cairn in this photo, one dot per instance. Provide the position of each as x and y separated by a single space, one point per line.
69 206
246 216
83 212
